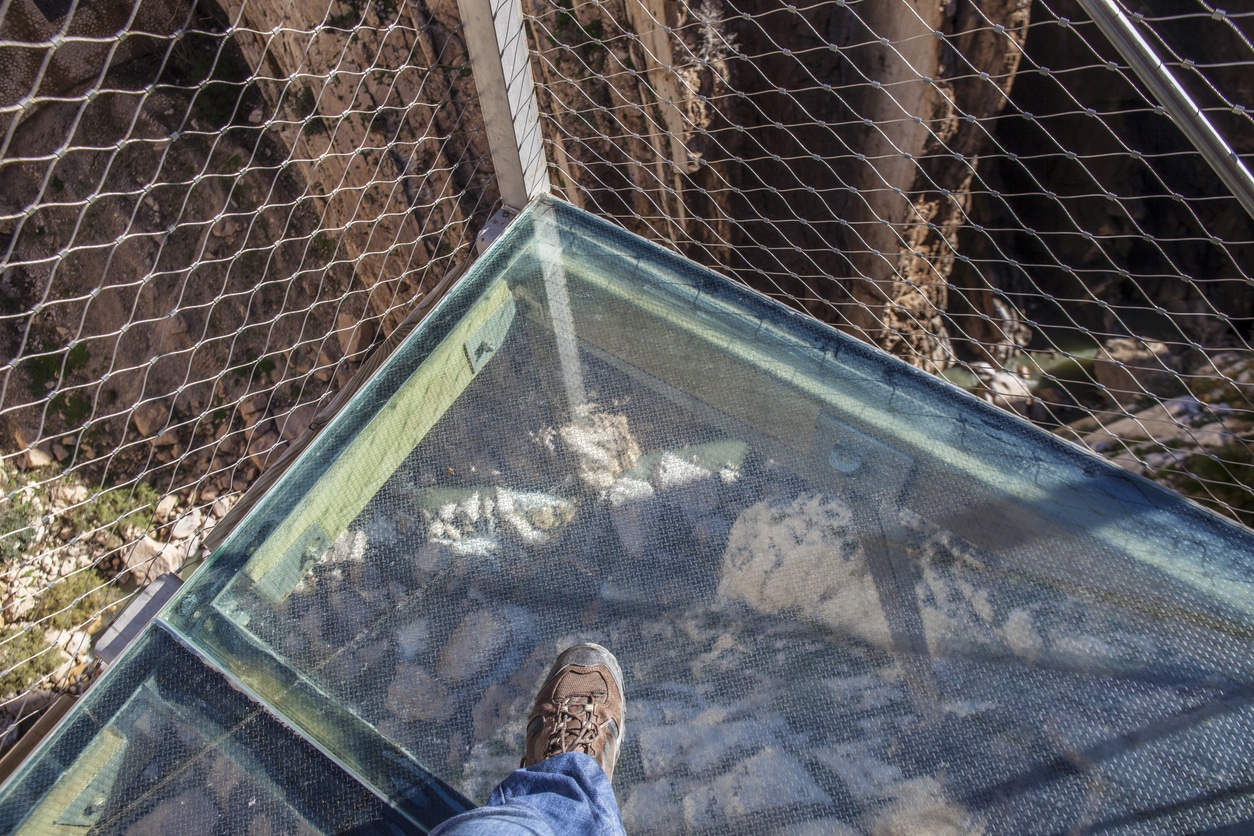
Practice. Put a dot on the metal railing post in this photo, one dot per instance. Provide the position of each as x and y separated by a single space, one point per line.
497 45
1180 106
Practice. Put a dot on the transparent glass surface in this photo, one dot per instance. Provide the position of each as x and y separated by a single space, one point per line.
846 595
167 746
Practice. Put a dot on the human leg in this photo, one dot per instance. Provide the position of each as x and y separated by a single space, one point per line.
572 743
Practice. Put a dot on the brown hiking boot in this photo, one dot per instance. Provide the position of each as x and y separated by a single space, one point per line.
579 708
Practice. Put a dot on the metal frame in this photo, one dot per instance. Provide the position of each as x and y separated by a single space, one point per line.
498 51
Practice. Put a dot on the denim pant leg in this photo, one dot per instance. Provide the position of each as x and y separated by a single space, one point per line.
567 794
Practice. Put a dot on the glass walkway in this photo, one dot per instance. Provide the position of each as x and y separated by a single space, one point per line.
847 596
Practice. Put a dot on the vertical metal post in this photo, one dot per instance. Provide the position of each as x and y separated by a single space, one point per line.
497 45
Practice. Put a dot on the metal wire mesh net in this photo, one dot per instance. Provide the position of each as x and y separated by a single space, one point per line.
210 213
988 190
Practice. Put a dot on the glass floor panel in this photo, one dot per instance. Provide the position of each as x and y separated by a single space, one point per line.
170 747
847 596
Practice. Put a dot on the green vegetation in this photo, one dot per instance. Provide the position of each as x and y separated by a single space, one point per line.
323 247
1222 479
75 409
17 527
116 508
25 658
68 603
50 367
73 601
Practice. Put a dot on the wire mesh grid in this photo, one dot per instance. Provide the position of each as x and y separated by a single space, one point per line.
984 189
210 213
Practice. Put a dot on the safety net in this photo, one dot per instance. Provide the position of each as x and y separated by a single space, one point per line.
847 596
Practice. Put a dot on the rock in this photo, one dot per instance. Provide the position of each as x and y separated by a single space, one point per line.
770 779
261 451
1002 388
297 421
534 517
413 639
354 336
1161 423
149 417
75 643
165 507
221 506
649 807
672 471
804 558
167 439
920 807
64 495
602 446
39 456
414 694
472 523
187 525
1130 369
865 775
148 559
627 489
480 639
698 748
250 407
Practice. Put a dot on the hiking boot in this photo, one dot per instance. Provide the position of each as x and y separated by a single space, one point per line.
579 708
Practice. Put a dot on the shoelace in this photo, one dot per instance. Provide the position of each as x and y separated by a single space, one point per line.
581 729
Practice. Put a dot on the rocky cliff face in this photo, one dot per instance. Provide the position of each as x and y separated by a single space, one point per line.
793 147
207 209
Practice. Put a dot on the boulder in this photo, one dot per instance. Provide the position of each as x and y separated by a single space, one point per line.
354 337
297 421
415 694
479 640
148 559
1130 369
804 558
149 417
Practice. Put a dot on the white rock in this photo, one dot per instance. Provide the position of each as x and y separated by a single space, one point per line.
672 471
627 489
804 558
165 507
698 748
413 638
534 517
772 778
865 775
602 445
148 559
1002 388
921 806
187 525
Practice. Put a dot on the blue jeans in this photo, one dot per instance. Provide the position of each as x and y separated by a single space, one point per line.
566 794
